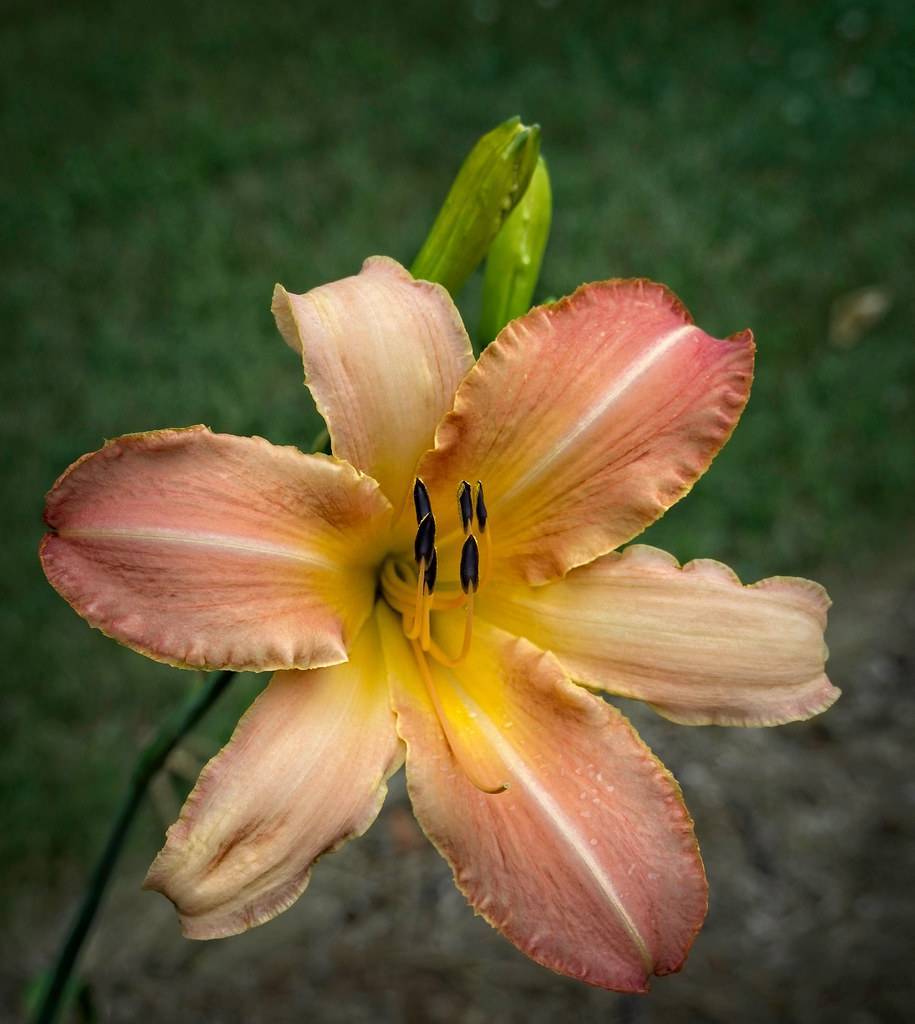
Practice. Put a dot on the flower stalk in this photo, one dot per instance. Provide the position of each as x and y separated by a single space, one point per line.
148 765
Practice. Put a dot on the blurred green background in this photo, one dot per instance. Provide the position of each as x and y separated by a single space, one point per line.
165 163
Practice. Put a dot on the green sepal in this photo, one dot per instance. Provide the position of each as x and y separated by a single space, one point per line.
513 263
489 184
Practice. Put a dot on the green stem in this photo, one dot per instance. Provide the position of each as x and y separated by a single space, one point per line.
150 761
320 442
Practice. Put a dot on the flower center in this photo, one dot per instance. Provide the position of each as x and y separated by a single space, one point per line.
413 591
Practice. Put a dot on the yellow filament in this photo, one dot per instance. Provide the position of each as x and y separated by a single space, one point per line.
420 614
450 738
402 596
448 602
486 544
397 591
425 639
445 659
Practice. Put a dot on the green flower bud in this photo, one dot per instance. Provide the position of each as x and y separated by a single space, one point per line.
513 263
490 182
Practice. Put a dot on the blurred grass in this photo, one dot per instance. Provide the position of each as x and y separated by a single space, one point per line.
165 164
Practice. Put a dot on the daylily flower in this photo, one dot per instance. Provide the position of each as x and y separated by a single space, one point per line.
463 642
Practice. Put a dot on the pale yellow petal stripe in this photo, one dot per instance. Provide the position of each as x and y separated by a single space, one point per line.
692 641
587 861
211 551
585 420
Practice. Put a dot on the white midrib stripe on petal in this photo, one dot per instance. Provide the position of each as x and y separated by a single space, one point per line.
554 813
204 540
587 420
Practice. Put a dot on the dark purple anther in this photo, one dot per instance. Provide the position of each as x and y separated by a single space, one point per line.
482 514
470 565
421 500
431 572
465 503
424 545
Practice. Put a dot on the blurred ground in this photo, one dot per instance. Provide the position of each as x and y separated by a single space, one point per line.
165 164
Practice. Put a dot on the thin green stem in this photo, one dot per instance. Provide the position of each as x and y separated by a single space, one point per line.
321 441
150 761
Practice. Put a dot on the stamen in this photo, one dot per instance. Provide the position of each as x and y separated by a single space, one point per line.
444 658
486 539
459 751
431 573
447 602
485 534
465 505
470 565
424 545
425 637
402 596
416 609
397 591
482 514
470 580
419 605
421 502
425 633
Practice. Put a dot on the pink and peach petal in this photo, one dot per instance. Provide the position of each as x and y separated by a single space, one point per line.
587 862
693 642
585 420
383 356
304 771
205 550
